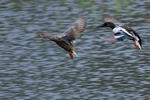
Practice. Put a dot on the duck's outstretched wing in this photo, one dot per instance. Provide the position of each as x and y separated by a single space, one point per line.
75 31
108 18
133 35
129 31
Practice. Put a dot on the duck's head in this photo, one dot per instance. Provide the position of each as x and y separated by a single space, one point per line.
107 24
41 35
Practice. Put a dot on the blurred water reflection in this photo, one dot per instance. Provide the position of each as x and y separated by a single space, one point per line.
38 69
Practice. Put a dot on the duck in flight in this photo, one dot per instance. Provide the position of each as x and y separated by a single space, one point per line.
66 39
121 31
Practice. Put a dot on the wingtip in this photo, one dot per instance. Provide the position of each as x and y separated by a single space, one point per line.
75 53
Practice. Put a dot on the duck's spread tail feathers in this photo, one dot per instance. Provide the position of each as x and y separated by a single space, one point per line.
137 44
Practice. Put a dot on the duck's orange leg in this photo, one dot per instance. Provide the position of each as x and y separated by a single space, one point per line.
70 54
136 44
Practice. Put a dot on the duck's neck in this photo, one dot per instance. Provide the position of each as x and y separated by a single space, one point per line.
53 38
112 26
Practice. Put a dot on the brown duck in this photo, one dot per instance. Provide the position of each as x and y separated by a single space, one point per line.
66 39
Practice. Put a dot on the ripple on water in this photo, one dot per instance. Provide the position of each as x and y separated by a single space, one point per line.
39 69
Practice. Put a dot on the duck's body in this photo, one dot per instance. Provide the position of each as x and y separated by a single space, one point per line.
66 39
121 31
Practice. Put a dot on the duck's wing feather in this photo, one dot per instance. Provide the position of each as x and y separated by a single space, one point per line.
75 31
134 35
130 32
108 18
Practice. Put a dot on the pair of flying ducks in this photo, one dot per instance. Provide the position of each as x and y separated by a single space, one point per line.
66 39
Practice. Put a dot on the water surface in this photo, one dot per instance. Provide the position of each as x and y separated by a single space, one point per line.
37 69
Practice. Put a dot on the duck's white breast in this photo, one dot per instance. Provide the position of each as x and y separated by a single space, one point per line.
121 30
117 29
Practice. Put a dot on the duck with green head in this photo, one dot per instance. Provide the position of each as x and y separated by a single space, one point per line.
121 31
